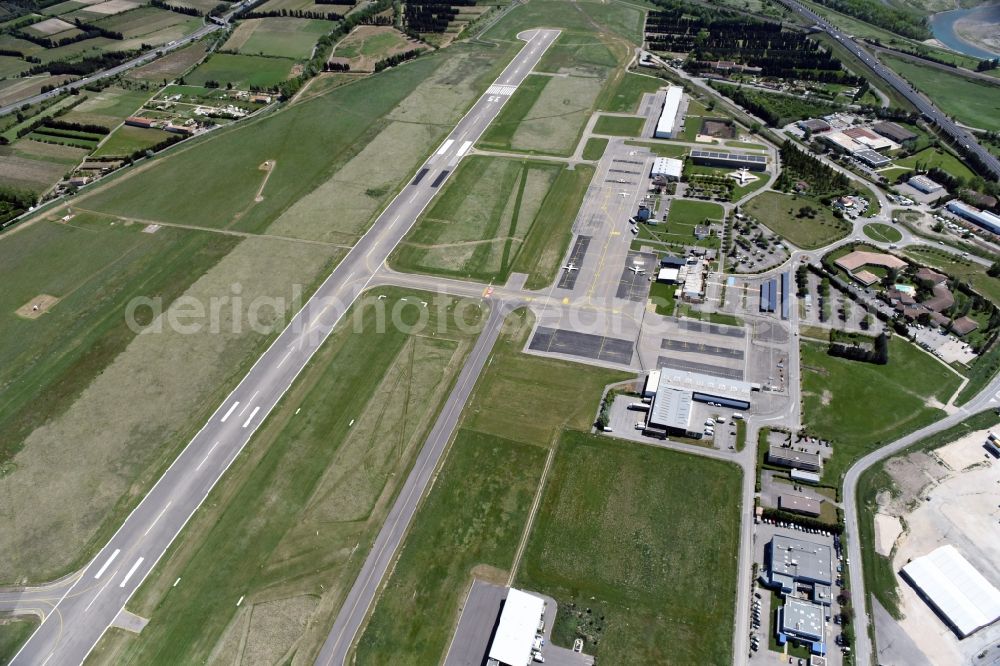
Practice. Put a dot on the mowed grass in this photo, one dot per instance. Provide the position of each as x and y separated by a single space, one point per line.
935 157
594 150
14 631
617 533
243 71
127 139
780 213
628 92
687 212
971 102
282 37
619 126
835 389
471 520
495 216
294 518
883 233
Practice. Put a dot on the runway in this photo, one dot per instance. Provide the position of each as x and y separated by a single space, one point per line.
88 607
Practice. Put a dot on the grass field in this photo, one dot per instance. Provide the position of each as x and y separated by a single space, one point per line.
618 126
172 65
243 71
281 37
894 404
126 139
969 101
492 211
935 157
107 108
781 214
292 521
514 413
628 92
367 44
661 149
594 150
600 542
14 632
690 213
882 233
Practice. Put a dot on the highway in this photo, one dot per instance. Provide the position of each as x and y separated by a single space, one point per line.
959 135
88 607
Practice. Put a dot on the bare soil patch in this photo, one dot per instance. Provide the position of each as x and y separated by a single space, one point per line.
37 306
368 44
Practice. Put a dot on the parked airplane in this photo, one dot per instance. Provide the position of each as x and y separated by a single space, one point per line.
636 270
571 267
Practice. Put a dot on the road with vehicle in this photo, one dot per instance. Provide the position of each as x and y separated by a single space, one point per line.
91 604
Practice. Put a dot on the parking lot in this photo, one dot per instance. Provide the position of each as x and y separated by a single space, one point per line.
626 423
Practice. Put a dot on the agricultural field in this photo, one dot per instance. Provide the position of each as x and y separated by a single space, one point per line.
971 102
126 140
172 65
600 543
619 126
284 526
802 221
149 25
107 108
24 165
243 71
12 90
934 157
305 5
629 90
280 37
368 44
895 404
544 116
492 470
484 219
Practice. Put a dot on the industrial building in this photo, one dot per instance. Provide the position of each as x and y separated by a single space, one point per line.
893 131
796 566
693 289
804 622
729 160
804 476
870 139
668 275
517 631
814 125
670 413
960 595
670 121
788 457
872 158
667 168
984 219
732 393
799 504
924 184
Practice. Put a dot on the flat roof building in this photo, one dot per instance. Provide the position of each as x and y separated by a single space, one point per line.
804 476
799 504
985 219
729 160
667 125
707 388
803 621
961 595
814 125
924 184
789 457
893 131
854 260
515 635
668 275
842 142
667 168
872 158
794 561
671 410
870 139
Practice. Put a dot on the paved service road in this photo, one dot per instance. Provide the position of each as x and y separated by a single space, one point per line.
88 607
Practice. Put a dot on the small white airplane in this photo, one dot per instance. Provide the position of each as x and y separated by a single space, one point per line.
636 270
571 267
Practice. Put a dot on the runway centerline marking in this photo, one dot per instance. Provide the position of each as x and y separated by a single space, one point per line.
111 559
160 515
252 414
130 572
228 413
203 460
104 587
247 406
282 362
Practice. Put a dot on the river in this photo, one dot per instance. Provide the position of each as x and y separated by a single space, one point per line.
943 27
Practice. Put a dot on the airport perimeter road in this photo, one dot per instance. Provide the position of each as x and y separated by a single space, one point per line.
863 649
89 607
362 595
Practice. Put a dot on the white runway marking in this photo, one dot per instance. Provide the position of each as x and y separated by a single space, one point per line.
203 460
247 406
131 571
250 418
235 405
157 519
111 559
500 89
282 361
97 595
445 146
465 147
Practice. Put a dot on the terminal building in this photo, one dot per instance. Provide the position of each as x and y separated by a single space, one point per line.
516 637
960 595
670 117
723 160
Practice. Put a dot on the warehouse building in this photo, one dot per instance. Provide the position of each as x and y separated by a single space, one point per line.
804 476
872 158
984 219
893 131
732 393
670 413
796 565
517 630
804 622
870 139
729 160
667 168
670 117
799 504
814 125
960 595
786 456
924 184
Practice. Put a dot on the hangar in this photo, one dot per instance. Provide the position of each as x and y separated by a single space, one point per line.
955 589
666 127
517 630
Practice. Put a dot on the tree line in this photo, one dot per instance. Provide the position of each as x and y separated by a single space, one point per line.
294 13
878 354
396 59
432 15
